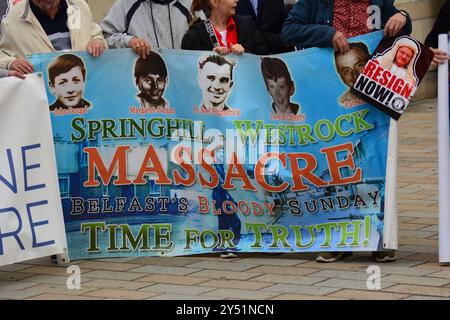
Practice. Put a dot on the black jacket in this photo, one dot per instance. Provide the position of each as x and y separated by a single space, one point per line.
442 25
310 22
269 20
197 38
3 8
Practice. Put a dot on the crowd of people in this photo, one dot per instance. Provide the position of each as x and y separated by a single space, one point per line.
255 26
259 27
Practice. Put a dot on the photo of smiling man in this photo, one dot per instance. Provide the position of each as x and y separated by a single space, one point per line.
67 77
151 78
215 79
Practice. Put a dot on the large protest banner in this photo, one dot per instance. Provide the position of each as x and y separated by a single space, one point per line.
393 74
444 154
187 152
31 222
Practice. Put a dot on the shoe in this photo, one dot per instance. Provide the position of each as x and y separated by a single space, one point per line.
384 256
332 256
228 255
54 258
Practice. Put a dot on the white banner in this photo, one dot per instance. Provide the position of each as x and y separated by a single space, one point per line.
444 156
31 219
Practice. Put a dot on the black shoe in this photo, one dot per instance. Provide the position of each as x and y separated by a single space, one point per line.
327 257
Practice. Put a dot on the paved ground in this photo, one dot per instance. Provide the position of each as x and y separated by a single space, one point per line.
416 275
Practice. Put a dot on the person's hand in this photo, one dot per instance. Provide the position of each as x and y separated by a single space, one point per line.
237 49
340 43
96 47
440 56
140 46
21 65
14 73
222 50
394 25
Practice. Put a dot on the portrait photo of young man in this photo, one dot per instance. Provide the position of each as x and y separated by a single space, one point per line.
280 86
349 66
215 79
67 79
151 78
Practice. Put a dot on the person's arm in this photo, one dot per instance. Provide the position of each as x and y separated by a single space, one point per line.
3 73
6 56
390 13
442 25
197 38
10 56
11 73
114 25
298 30
274 43
189 41
6 59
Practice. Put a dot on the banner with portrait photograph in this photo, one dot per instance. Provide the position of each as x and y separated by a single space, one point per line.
187 152
444 154
31 221
391 77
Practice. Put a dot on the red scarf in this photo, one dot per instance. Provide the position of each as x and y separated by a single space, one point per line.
232 35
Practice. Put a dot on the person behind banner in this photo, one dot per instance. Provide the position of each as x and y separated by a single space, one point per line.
215 78
269 16
66 79
222 31
40 26
313 23
143 24
401 60
349 66
441 26
280 86
3 8
151 78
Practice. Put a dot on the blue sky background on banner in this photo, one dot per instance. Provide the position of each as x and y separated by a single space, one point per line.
111 90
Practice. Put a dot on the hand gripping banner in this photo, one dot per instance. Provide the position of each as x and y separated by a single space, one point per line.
189 152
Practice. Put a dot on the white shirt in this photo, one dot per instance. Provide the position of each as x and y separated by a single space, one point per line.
399 72
255 6
223 34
